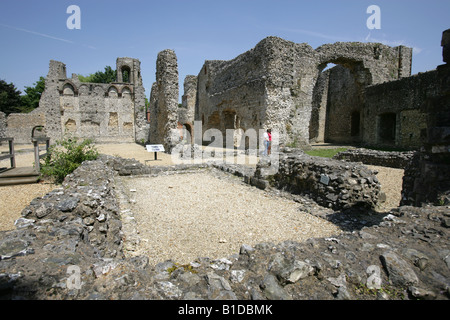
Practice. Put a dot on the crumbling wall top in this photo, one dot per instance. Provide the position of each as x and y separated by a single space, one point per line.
382 62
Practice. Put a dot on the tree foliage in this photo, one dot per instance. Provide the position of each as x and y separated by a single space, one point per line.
107 76
30 100
10 100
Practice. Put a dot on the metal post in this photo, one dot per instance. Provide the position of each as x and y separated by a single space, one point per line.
11 152
36 155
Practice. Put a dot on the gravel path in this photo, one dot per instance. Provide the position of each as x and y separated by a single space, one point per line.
391 180
185 216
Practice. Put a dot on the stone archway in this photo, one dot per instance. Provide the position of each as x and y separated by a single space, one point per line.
337 104
188 133
338 96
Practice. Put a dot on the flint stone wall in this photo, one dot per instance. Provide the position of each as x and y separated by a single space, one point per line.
427 177
2 125
271 85
113 112
187 110
164 102
392 159
79 226
330 183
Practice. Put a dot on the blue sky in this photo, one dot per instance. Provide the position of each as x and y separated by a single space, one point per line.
34 32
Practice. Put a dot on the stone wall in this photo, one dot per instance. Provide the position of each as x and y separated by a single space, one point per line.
272 86
50 100
230 95
330 183
392 115
113 112
391 159
427 178
2 125
318 122
20 125
344 106
379 62
186 114
164 102
104 112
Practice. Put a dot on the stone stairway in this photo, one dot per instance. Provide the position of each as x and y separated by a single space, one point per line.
23 175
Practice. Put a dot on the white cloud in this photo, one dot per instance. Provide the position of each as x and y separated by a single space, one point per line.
37 33
44 35
393 43
317 34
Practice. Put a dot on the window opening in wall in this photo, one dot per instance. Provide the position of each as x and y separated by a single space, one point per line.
126 74
68 90
387 127
355 124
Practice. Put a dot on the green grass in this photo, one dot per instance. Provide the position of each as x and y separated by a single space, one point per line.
325 153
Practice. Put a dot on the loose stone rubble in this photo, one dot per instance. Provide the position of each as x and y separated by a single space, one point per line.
77 230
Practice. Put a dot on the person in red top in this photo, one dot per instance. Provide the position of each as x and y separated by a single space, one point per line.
267 141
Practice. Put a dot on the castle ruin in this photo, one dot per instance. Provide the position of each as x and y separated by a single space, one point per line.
369 98
280 85
113 112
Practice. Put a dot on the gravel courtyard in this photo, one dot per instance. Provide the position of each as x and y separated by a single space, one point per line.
185 216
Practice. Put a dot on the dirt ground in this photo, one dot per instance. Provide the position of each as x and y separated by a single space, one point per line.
14 198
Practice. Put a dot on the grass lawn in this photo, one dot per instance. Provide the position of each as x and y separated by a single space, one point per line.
326 153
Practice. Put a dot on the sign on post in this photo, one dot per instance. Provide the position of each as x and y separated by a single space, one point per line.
155 148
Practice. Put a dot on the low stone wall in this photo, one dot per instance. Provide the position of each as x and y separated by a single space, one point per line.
69 245
20 125
392 159
331 183
2 125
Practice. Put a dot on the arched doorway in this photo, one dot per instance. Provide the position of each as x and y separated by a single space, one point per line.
337 103
188 133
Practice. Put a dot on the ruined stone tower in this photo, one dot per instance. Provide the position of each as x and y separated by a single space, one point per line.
186 114
164 102
133 68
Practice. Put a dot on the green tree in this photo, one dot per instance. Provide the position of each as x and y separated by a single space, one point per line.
107 76
30 100
10 100
85 78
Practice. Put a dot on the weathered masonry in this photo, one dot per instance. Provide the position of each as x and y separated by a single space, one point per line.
113 112
280 85
285 86
164 102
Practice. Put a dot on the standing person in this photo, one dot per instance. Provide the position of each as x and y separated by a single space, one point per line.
266 142
269 133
